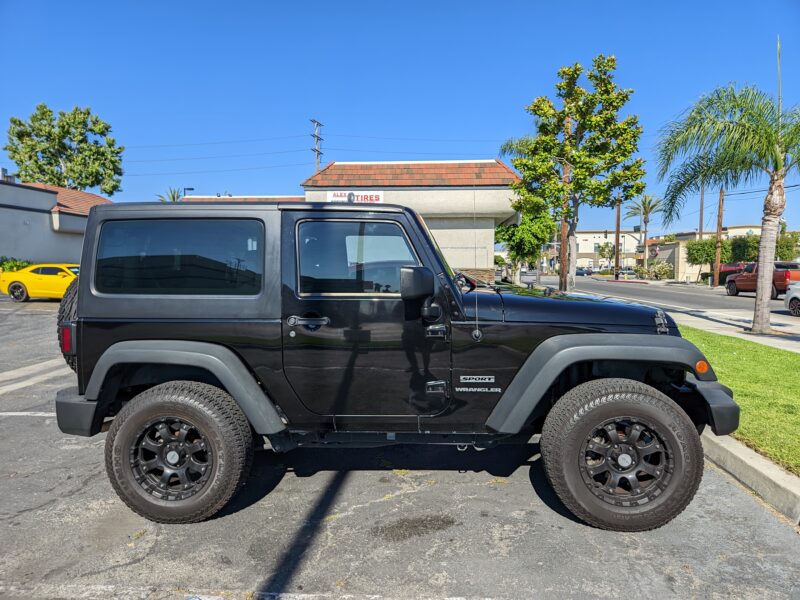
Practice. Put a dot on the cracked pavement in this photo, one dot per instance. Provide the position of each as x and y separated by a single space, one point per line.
399 522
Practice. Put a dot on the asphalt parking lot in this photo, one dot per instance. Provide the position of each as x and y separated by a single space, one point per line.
403 522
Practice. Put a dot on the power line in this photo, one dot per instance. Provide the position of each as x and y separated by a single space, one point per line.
218 170
266 139
159 160
413 139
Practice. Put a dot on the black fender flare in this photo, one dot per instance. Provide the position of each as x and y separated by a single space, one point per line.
222 362
551 357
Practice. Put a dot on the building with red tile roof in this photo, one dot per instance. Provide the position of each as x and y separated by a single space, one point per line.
43 223
462 201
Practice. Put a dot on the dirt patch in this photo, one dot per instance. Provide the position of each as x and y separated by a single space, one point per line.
404 529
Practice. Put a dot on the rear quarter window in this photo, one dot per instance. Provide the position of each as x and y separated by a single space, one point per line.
180 257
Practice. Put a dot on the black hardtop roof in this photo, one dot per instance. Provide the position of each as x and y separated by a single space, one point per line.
169 207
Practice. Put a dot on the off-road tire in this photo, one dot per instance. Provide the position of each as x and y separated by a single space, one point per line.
731 289
67 312
774 293
18 298
794 307
216 415
578 413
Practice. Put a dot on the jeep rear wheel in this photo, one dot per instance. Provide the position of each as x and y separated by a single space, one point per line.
730 289
178 452
621 455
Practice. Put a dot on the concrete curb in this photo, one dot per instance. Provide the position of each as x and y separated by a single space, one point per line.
776 486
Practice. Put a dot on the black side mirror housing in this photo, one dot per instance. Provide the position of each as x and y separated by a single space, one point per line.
416 283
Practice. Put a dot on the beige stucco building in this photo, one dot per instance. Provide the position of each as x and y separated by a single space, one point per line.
590 241
461 201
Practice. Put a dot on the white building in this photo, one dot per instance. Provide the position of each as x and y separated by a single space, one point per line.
43 223
461 201
590 241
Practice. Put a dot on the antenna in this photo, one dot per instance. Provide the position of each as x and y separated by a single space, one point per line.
317 139
477 334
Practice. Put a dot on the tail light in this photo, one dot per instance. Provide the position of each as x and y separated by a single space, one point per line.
67 338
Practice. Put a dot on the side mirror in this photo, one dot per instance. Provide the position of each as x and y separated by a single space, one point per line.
415 283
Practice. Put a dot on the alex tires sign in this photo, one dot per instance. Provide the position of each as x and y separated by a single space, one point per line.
356 197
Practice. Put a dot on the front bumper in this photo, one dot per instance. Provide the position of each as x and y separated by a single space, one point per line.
75 415
722 411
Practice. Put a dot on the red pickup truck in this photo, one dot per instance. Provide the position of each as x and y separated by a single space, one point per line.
785 273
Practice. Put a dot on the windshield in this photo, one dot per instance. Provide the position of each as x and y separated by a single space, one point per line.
442 259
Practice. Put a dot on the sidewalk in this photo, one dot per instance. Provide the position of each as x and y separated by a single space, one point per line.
732 322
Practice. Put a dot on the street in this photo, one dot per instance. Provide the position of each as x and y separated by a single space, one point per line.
380 523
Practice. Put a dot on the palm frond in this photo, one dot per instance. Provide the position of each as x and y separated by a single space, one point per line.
739 124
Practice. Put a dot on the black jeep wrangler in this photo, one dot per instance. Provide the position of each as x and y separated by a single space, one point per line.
199 331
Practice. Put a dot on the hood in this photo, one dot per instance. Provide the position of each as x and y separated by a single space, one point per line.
538 305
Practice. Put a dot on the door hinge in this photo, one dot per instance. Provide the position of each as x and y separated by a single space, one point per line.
437 387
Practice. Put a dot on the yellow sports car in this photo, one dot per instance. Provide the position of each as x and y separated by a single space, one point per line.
38 281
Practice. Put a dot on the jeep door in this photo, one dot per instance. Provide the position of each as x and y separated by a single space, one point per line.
352 347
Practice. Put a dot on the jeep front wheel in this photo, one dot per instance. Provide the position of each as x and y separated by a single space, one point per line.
178 452
621 455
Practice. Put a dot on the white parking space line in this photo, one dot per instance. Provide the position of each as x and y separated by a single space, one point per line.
64 372
30 369
27 414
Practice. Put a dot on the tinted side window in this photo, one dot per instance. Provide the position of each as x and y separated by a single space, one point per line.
181 256
352 257
749 268
50 271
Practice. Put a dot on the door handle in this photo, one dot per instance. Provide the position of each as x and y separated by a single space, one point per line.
436 331
309 321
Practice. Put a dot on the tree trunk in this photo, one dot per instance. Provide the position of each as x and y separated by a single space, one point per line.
616 239
573 246
516 274
718 245
774 204
563 253
645 244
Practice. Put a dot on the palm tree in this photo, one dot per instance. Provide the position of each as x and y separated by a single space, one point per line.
172 195
728 137
644 207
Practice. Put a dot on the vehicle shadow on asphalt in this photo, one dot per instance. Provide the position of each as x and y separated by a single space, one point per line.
270 468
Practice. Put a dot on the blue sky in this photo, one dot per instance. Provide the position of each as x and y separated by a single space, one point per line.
390 80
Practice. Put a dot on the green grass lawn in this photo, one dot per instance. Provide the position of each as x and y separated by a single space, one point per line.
763 383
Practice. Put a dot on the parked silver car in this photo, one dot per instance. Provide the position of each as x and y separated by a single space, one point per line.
791 299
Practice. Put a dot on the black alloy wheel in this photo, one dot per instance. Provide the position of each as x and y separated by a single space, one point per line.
179 451
731 289
794 307
621 455
17 292
625 461
171 459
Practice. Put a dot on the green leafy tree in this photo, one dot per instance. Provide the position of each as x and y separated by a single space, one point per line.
606 251
583 150
172 195
702 252
751 137
524 241
644 208
787 248
670 237
745 248
73 150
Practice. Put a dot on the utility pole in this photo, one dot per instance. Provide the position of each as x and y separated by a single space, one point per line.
616 237
563 269
317 139
702 193
718 247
